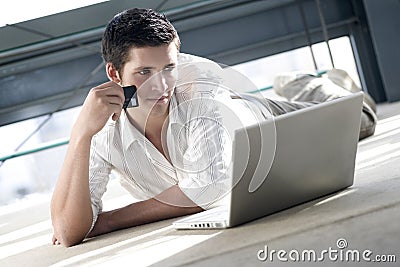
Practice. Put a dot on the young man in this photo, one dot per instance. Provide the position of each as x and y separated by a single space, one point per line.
170 150
137 45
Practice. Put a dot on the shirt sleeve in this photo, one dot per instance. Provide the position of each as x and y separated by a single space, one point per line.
99 175
203 156
202 153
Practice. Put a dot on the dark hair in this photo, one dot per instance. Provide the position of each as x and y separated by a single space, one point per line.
135 28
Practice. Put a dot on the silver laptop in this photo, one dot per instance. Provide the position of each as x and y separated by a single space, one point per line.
315 156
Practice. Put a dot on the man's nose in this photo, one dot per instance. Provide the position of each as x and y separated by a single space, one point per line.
159 83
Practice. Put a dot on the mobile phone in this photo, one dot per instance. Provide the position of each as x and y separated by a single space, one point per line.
131 100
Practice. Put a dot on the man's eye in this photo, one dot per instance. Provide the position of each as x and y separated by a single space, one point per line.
169 68
144 72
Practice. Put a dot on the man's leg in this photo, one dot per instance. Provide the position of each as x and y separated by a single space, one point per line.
271 107
309 88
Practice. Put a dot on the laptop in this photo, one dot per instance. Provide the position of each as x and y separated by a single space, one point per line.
314 156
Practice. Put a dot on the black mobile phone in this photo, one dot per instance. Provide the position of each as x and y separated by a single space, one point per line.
131 100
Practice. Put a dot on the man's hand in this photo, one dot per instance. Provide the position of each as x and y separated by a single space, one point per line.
102 102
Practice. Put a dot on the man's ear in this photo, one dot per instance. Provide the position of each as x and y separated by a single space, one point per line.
112 73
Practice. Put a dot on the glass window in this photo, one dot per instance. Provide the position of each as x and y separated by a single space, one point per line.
262 71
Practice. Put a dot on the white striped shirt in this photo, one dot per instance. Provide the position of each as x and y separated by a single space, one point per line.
199 142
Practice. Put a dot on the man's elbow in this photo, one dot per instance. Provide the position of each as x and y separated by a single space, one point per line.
68 234
68 241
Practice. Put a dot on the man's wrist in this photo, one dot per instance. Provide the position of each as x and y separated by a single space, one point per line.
80 136
102 225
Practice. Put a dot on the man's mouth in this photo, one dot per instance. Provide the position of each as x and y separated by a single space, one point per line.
160 99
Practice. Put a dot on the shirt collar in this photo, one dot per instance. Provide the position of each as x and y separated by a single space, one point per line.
129 133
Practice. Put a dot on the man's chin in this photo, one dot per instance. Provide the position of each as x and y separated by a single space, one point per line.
159 110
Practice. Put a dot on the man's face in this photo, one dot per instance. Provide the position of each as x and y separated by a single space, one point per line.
153 71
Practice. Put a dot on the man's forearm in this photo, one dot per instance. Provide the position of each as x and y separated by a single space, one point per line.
169 204
71 210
